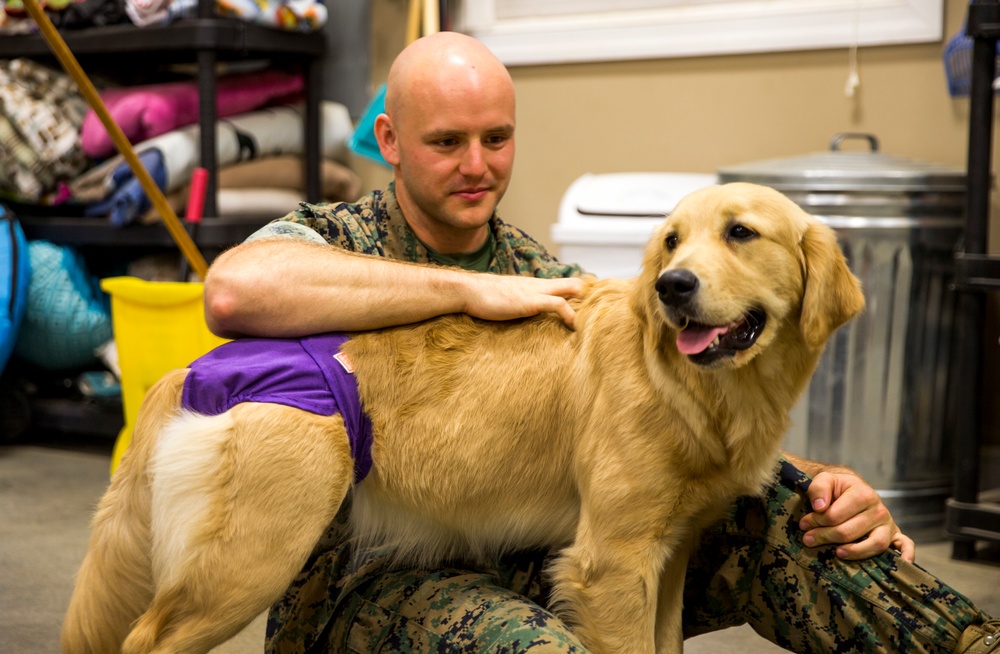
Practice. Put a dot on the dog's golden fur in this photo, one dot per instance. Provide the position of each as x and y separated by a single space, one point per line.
605 441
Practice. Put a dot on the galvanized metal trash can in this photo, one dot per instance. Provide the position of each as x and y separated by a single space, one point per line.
882 398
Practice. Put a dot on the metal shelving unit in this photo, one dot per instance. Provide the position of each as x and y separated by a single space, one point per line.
972 515
204 40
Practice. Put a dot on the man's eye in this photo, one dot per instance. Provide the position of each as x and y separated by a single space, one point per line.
741 233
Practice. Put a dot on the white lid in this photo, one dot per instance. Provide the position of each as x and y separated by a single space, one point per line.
621 208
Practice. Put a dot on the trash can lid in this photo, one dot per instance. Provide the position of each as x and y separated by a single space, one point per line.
842 187
838 170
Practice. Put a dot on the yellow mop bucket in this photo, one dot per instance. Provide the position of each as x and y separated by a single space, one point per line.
158 326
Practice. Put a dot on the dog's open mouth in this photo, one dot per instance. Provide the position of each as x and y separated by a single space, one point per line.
707 343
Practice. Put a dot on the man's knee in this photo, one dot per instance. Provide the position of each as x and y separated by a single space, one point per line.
451 610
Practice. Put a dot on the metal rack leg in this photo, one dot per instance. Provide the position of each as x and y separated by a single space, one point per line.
207 119
972 307
313 128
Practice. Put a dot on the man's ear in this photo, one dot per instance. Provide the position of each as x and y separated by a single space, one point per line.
385 134
832 292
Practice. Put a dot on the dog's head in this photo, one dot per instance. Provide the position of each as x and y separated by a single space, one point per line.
736 264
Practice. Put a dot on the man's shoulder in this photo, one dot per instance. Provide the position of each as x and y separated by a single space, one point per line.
526 256
348 225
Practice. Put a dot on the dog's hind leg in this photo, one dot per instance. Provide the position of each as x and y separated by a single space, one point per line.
239 502
115 582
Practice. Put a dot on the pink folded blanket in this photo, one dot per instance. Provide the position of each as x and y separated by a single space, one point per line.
147 111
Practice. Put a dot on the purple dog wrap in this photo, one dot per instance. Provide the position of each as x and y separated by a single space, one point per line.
301 373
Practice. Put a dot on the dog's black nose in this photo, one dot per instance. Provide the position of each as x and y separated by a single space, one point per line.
676 287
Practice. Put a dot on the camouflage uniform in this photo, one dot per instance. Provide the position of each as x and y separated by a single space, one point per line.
751 568
375 225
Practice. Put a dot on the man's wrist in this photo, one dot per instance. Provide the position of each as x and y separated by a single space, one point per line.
453 287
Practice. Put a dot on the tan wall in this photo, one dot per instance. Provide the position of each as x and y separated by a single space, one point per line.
694 115
697 114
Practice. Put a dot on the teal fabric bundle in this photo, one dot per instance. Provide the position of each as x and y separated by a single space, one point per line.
67 315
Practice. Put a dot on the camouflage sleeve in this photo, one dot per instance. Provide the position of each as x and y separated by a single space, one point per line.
347 226
284 229
545 265
529 257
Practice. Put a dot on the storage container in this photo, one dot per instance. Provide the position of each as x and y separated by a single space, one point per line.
158 326
606 220
882 398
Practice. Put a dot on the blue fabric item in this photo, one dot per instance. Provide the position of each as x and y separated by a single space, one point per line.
15 275
363 139
127 199
303 373
67 315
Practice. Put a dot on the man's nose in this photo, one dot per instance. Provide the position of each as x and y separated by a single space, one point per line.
473 163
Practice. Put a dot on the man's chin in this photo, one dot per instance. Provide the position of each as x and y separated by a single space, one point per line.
471 214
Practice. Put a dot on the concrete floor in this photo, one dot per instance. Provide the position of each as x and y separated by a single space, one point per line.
50 486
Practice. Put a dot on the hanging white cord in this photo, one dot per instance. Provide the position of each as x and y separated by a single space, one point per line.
853 79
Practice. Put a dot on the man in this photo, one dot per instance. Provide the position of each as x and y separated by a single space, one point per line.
448 132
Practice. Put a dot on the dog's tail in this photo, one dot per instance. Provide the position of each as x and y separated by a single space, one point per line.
113 587
115 583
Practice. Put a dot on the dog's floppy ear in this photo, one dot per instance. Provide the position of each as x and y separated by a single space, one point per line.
832 292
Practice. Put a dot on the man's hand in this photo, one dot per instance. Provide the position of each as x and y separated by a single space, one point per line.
846 510
506 297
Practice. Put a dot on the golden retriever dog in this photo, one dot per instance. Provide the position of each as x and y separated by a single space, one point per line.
617 442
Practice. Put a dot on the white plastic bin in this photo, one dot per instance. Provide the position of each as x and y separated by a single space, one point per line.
606 220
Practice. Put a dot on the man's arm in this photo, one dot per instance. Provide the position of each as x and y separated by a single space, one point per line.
285 287
848 512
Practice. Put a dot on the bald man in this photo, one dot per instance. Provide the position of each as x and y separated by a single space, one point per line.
449 135
448 132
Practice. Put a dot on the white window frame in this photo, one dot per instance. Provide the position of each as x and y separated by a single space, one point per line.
684 28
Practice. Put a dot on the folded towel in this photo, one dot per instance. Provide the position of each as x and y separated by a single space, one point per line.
267 132
337 182
153 109
266 203
284 173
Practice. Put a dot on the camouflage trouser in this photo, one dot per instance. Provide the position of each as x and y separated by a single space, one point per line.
751 568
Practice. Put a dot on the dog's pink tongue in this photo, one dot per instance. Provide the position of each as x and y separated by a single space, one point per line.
696 339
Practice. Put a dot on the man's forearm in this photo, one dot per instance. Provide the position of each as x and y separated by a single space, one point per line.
287 288
283 288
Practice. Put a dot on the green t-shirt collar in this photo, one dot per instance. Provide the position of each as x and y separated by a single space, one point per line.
479 261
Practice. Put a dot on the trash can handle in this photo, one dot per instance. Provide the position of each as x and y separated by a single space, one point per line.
840 137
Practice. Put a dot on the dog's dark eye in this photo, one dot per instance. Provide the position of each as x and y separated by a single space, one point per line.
741 233
671 242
